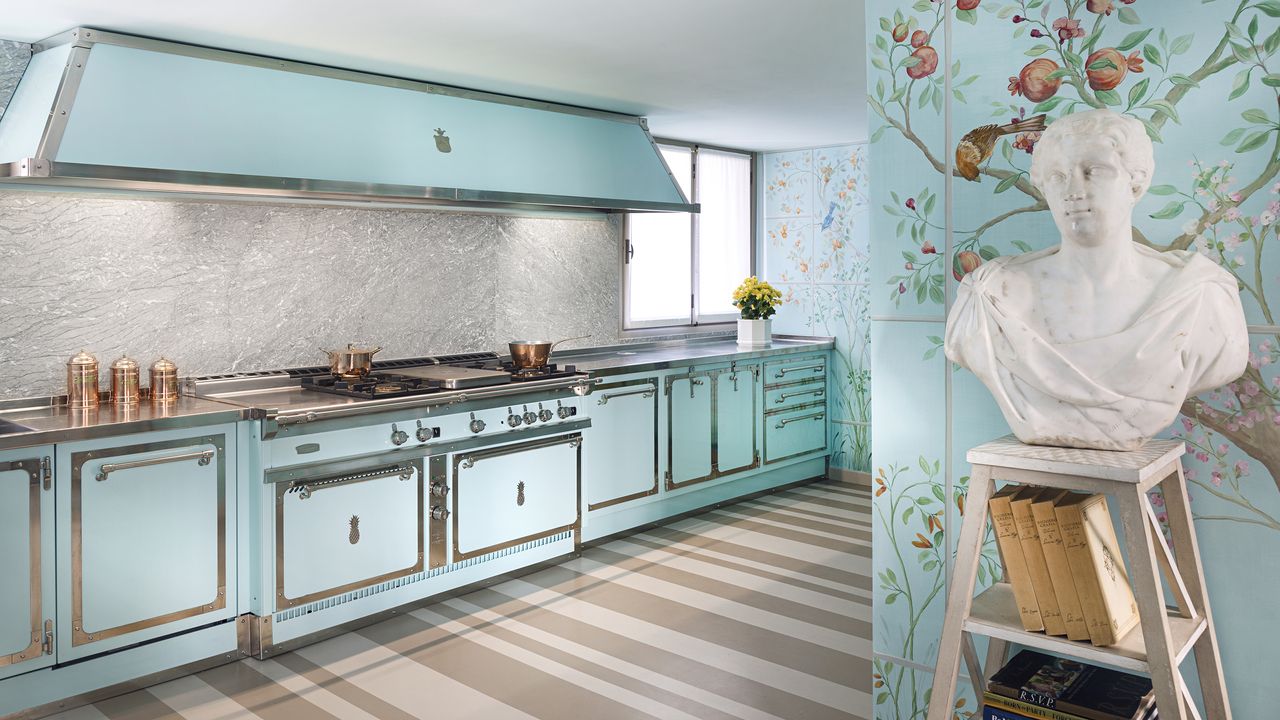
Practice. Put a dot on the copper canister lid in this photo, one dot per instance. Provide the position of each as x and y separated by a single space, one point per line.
124 363
82 358
164 365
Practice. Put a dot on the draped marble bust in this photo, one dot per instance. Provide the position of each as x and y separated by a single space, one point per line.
1096 342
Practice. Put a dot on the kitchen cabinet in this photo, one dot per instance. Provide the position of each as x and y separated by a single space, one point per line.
145 536
689 413
621 452
735 397
26 560
795 408
711 421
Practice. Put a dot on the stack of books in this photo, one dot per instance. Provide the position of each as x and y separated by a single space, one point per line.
1035 686
1062 558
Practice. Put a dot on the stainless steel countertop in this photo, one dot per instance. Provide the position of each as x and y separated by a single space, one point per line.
41 421
644 357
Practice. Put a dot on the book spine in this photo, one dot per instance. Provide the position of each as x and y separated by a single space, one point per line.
1118 603
992 712
1027 709
1083 573
1029 538
1015 563
1055 556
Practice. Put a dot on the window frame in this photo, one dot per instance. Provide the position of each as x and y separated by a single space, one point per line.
696 322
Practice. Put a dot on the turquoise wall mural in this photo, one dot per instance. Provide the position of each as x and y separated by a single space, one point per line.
1203 77
816 248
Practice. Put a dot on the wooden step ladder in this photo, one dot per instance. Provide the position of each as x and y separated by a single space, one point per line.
1164 637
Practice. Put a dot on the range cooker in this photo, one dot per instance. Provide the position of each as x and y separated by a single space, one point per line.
423 464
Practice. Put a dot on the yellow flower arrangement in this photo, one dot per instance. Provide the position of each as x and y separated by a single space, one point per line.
757 299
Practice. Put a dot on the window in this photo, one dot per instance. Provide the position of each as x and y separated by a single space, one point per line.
680 269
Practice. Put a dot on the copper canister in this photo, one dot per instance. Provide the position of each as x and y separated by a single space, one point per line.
164 381
82 381
125 382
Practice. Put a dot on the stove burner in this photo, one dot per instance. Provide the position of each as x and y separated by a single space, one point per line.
390 384
545 372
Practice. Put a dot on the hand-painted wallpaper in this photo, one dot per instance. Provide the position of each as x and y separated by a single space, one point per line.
1204 79
816 251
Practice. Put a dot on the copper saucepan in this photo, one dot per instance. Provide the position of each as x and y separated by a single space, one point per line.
352 361
530 354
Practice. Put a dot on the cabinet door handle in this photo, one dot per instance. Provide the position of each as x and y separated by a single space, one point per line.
811 416
782 372
648 391
782 397
202 457
306 487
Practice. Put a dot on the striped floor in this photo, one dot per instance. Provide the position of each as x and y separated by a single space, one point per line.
759 610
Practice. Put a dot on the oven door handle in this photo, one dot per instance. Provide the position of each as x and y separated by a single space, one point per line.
305 488
469 460
202 457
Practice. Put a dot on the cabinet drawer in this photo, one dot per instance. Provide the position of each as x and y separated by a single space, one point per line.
791 395
796 432
622 444
794 370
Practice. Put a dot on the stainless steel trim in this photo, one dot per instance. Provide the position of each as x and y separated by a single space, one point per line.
811 416
574 440
202 457
35 648
634 363
782 397
653 385
81 636
284 602
63 100
647 391
438 530
306 488
817 367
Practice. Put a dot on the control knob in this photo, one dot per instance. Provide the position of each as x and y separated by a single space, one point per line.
544 414
477 425
513 419
427 433
530 417
439 489
438 512
566 412
398 437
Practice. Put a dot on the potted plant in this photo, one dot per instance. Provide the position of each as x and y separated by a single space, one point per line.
758 301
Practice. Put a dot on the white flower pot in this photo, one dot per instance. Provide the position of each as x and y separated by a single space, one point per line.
754 333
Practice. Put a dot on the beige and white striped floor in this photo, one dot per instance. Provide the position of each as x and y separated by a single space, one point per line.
760 610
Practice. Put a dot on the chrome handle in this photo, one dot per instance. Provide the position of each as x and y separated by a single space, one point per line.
647 391
784 396
306 488
782 372
203 457
811 416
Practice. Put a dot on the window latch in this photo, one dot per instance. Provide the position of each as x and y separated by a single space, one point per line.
631 251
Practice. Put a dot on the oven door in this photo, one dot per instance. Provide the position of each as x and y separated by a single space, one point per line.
513 494
347 529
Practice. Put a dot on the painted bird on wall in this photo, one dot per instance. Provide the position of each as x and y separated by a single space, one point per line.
976 146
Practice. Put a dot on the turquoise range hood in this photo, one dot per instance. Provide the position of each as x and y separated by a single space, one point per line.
104 110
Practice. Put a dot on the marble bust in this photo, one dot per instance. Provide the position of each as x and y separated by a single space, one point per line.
1097 341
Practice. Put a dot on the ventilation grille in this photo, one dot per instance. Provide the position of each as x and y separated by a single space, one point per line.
411 579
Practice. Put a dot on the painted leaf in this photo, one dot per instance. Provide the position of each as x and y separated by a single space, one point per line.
1172 210
1255 115
1007 183
1241 84
1162 190
1254 141
1132 40
1128 16
1109 97
1233 137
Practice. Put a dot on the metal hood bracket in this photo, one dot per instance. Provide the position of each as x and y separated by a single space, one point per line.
102 110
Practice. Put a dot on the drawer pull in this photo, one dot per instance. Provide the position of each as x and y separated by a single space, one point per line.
305 488
811 416
819 392
782 372
648 391
202 457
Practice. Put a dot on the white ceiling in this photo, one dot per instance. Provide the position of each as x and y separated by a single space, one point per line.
753 74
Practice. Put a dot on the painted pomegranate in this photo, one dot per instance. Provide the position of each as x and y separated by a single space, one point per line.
1100 7
927 65
900 32
1114 67
919 38
1034 83
967 4
965 263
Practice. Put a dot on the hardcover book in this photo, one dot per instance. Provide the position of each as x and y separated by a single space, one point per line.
1072 687
1055 556
1017 708
1015 562
1029 537
1093 553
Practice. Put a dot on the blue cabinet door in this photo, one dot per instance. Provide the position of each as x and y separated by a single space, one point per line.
736 404
621 449
146 537
26 560
688 428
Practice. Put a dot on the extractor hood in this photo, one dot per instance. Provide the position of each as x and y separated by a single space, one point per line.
104 110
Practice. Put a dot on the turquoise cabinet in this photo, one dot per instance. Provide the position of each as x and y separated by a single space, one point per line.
689 413
735 397
26 560
145 537
795 408
621 448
